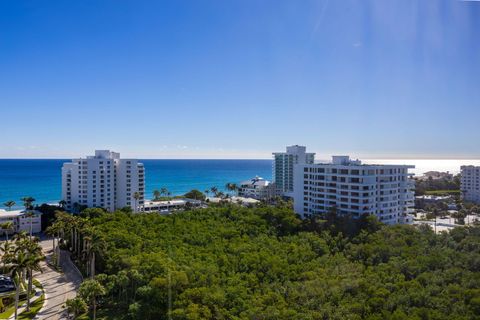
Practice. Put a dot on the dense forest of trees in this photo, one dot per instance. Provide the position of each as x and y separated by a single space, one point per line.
264 263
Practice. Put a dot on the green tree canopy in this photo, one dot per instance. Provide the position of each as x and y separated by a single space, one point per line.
195 194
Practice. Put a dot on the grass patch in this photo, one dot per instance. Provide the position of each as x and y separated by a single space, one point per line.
11 309
34 308
8 294
37 284
442 192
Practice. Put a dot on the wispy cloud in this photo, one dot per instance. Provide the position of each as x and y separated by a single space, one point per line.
26 148
319 19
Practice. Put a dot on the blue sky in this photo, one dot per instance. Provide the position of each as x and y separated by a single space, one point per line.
240 79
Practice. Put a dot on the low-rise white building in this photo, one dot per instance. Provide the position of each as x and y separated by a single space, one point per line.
21 221
446 223
169 205
353 188
470 183
257 188
238 200
432 198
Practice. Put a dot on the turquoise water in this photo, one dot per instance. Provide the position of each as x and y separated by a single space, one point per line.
41 179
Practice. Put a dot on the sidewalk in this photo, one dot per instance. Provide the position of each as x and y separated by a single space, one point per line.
58 287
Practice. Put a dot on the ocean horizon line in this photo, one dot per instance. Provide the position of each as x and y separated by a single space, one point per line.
41 177
209 159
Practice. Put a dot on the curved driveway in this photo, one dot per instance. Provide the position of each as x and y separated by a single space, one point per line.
58 286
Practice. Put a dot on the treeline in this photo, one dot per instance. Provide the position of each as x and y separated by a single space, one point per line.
265 263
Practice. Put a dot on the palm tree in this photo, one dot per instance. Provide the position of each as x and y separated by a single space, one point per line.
164 191
61 225
95 244
54 231
232 187
30 215
214 190
62 204
7 250
207 191
7 226
69 222
78 224
90 290
9 204
18 265
83 229
76 306
35 256
73 224
28 202
50 231
22 241
136 197
156 195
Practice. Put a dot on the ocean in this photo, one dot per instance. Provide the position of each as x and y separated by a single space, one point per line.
41 179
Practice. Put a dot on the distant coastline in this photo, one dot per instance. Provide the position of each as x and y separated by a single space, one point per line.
41 178
424 165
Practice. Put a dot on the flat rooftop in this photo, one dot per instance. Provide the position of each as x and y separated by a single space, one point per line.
362 165
151 203
345 161
14 213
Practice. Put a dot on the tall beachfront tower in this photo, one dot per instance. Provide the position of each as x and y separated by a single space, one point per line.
283 164
353 188
103 180
470 183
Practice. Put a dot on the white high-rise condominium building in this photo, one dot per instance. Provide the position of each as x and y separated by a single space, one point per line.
104 181
351 187
470 183
283 163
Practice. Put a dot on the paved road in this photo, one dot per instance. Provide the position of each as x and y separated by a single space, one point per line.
58 286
